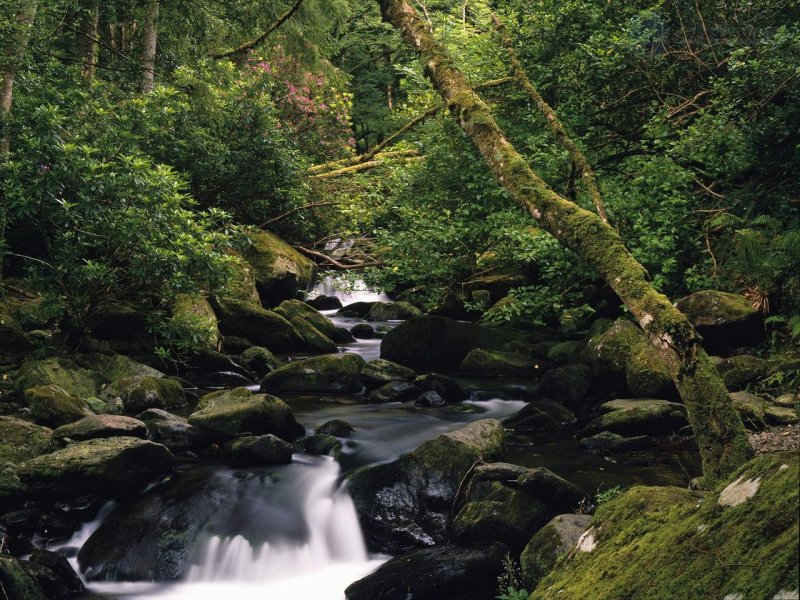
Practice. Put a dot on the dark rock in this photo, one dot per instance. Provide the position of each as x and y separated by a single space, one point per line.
313 339
407 502
225 379
615 443
101 426
343 336
356 309
54 574
319 445
336 427
362 331
738 371
540 415
172 431
263 327
136 394
292 309
260 360
392 311
395 391
331 373
568 384
379 372
234 344
261 450
638 417
447 388
431 399
54 406
723 320
549 544
209 361
495 363
433 574
17 584
118 322
323 302
552 489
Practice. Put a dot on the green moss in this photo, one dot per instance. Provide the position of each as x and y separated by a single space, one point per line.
63 372
17 584
321 374
291 309
21 440
495 363
313 339
665 543
54 406
278 268
194 320
646 373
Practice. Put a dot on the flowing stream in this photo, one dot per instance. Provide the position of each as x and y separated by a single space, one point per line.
291 532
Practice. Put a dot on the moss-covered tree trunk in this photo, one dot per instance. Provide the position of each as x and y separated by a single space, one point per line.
717 427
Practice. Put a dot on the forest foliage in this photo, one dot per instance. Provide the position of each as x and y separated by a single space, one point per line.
688 112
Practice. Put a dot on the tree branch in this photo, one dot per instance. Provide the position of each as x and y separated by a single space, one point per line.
336 263
253 43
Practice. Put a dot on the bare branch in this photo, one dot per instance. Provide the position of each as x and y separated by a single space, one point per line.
260 39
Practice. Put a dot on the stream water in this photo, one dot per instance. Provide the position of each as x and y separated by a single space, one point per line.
291 532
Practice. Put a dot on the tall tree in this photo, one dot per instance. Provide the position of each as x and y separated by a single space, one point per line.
87 36
149 40
13 53
717 427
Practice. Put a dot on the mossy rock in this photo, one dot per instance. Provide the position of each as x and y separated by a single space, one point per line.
567 384
21 440
259 360
16 583
335 427
279 270
101 426
394 391
313 339
54 406
407 502
331 373
666 542
562 352
261 450
549 544
540 415
65 373
136 394
12 337
780 415
647 375
290 309
319 444
724 320
392 311
116 366
751 410
225 414
608 352
738 371
379 372
194 319
262 327
495 363
428 343
242 285
639 417
106 467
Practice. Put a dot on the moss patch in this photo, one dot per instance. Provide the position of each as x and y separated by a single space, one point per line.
655 543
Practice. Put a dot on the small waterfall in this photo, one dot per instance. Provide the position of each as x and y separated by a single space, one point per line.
346 291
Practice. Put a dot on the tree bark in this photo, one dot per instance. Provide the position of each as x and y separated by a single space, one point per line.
88 36
149 40
717 427
13 53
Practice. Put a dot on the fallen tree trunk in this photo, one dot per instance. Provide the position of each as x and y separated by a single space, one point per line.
717 427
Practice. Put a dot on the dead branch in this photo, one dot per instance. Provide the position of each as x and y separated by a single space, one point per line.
253 43
336 263
359 167
298 209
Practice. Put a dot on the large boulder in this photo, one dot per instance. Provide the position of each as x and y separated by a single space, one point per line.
101 426
194 319
638 417
172 431
495 363
16 583
53 573
260 326
549 544
259 360
567 384
723 320
540 415
260 450
647 374
279 270
132 395
106 467
226 414
12 338
291 309
379 372
54 406
407 502
437 343
313 339
434 574
392 311
21 440
667 542
330 373
608 351
242 285
738 371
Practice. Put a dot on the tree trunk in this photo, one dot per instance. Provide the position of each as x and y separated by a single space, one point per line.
88 36
717 427
13 53
149 39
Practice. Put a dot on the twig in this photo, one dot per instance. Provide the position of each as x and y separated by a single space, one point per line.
297 209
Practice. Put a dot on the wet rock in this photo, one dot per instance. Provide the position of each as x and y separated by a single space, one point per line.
17 582
362 331
723 320
210 361
751 410
260 360
291 309
615 443
105 467
101 426
431 399
392 311
407 502
343 336
319 445
568 384
172 431
313 339
356 309
136 394
429 342
638 417
495 363
447 388
379 372
738 371
262 327
549 544
261 450
540 415
54 406
279 270
323 302
225 414
331 373
336 427
433 574
395 391
53 574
